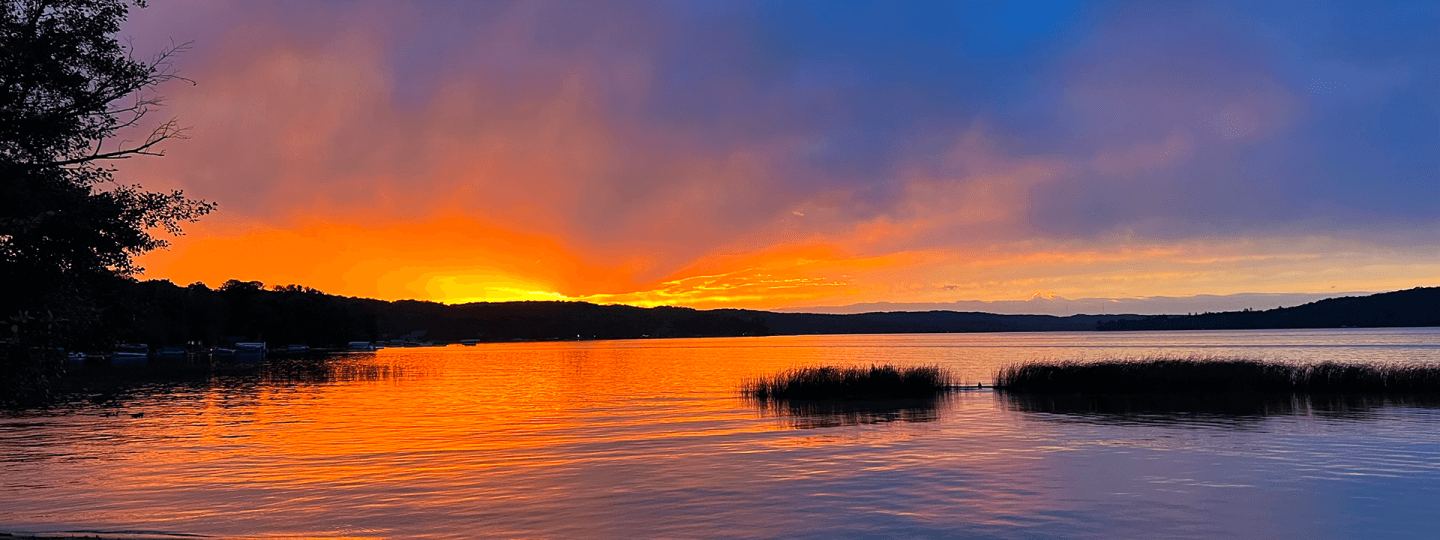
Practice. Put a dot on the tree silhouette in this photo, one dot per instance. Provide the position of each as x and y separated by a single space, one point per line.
70 96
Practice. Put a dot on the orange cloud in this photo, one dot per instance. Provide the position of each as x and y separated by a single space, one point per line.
452 259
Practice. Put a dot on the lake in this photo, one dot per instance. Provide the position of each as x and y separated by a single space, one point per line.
651 439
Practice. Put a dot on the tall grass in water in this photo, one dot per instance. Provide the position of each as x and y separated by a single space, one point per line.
1207 375
874 382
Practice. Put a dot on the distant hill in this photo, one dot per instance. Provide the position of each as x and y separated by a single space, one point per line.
1059 305
166 314
922 322
1413 307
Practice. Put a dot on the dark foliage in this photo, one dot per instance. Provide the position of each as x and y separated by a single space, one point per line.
71 95
1174 376
30 361
874 382
1414 307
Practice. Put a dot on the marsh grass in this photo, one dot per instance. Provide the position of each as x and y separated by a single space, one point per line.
1215 376
855 382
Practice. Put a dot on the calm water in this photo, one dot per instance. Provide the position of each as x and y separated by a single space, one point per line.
649 439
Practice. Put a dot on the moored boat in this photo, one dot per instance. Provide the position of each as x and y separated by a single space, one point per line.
250 351
172 353
130 354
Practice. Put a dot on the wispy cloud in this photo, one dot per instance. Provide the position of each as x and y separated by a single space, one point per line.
716 154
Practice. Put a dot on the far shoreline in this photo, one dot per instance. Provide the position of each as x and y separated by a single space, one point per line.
197 316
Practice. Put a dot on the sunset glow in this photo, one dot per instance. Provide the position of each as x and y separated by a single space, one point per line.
765 156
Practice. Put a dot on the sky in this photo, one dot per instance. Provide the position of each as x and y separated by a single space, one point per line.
1020 156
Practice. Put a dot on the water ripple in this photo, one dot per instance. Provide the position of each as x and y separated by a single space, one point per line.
650 439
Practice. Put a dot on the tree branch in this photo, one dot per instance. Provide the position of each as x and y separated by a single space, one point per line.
166 131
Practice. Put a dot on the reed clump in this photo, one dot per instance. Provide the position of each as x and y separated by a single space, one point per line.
830 382
1210 375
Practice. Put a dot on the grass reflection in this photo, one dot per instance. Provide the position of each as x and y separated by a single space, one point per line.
1232 404
353 367
810 414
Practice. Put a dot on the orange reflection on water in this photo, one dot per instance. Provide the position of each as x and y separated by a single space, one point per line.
651 438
